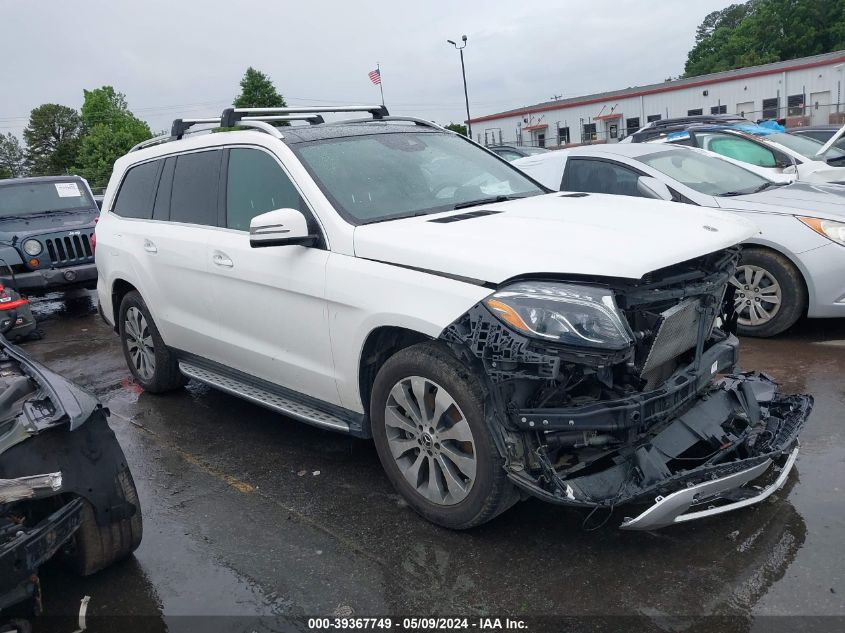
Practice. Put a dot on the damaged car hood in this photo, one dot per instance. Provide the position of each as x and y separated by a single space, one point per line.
825 201
559 233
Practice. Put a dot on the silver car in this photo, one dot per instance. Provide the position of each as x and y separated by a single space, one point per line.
794 266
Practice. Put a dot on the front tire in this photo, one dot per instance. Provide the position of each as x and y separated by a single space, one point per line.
770 293
95 546
151 362
427 413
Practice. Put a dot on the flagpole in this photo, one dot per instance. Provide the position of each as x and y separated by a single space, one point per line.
380 87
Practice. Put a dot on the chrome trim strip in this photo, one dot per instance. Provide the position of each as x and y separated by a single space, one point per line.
670 509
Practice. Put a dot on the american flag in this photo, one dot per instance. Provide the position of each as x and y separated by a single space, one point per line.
375 76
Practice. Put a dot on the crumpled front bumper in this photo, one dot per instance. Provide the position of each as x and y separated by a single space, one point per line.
673 508
23 553
656 472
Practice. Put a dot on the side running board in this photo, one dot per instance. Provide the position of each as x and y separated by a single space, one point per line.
266 397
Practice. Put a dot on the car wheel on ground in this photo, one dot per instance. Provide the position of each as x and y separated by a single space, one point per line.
151 362
770 293
428 423
98 546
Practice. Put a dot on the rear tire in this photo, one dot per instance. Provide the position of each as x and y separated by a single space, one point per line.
441 456
151 362
770 293
99 546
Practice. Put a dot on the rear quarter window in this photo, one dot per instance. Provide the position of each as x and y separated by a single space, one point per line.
135 198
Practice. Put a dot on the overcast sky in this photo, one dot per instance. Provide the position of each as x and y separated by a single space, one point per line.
185 57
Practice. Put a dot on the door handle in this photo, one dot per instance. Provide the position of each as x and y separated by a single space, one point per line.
222 259
150 247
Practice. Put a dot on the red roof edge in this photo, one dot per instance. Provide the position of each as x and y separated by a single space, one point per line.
642 93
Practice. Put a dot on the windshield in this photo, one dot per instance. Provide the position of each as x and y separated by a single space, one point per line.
805 146
41 197
391 175
705 174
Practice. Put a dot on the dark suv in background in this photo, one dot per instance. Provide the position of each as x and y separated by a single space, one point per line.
47 234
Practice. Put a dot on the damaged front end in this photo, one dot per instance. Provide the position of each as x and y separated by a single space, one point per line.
609 392
60 470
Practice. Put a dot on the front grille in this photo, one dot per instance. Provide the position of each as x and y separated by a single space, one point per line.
66 250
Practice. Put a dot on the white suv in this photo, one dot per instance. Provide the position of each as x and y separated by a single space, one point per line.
386 278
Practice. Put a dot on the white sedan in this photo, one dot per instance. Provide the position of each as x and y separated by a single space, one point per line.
795 265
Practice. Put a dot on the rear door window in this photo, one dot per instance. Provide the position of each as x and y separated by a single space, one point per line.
135 198
194 197
600 176
256 184
738 148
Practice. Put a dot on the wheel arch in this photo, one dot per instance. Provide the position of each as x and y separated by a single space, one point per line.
793 259
119 289
380 344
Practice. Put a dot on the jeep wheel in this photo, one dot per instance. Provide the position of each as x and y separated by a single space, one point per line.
770 295
152 364
433 441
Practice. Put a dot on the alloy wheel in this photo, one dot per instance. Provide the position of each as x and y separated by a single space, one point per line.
139 342
431 440
758 295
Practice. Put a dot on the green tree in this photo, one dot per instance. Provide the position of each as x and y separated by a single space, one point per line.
52 139
764 31
258 91
109 130
12 157
457 127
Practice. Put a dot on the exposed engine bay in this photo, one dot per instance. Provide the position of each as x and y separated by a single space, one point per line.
667 412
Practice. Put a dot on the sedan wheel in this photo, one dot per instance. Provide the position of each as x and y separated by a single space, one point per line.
430 440
139 342
758 295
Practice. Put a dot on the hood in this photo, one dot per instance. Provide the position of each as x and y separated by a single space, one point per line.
45 223
824 201
592 234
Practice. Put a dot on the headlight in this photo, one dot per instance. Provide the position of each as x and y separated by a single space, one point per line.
828 228
32 247
584 316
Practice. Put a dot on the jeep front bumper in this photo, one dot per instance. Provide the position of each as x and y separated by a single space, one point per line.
50 279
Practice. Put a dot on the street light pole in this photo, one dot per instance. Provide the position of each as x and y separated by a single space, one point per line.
464 75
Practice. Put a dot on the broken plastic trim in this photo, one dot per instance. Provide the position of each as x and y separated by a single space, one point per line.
673 508
31 487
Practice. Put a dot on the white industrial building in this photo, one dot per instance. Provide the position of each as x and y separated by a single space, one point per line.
797 92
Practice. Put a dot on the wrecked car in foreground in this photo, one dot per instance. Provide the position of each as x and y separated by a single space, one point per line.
495 339
65 488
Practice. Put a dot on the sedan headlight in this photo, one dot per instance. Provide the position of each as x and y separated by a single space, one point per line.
828 228
32 247
584 316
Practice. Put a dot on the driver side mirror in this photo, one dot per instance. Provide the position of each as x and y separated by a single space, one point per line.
653 188
282 227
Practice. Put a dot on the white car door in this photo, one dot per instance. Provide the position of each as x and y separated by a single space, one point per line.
165 246
270 302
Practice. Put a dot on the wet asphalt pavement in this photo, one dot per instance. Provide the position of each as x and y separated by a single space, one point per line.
247 513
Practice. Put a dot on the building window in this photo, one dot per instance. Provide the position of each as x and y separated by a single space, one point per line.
541 140
653 117
696 112
719 109
632 125
770 108
795 105
589 132
563 136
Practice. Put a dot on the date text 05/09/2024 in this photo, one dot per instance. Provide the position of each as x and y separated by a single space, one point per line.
417 624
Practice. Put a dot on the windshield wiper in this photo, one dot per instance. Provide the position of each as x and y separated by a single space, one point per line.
475 203
769 185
